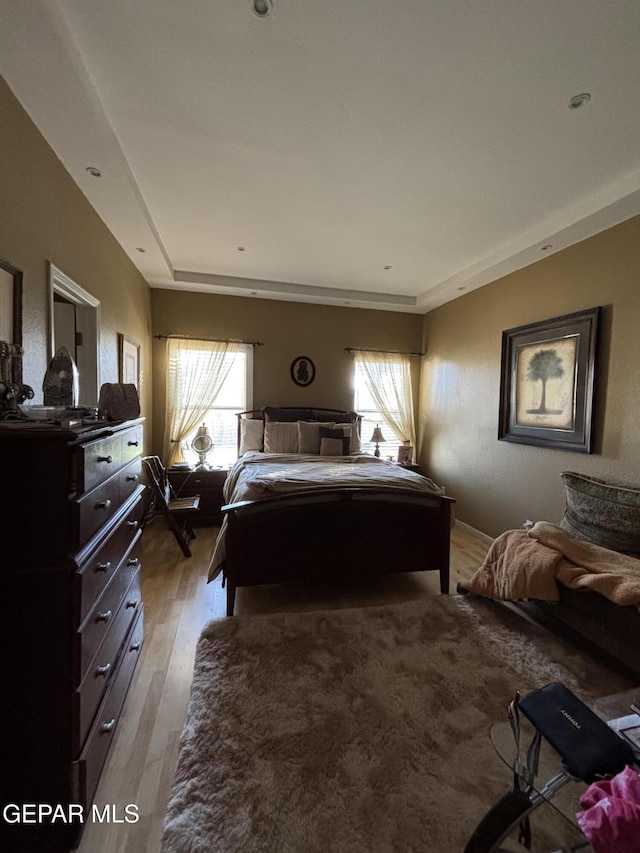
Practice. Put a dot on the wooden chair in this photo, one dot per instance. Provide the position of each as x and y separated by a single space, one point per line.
177 511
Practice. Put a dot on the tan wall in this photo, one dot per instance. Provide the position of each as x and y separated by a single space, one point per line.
44 217
499 484
287 330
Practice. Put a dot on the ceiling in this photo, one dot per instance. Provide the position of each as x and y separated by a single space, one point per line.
387 154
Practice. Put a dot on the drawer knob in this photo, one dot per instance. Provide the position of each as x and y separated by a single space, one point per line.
133 524
104 616
135 646
131 478
103 504
105 728
133 443
103 567
108 459
133 561
103 670
132 602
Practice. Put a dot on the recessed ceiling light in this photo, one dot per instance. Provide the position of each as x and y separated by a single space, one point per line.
546 248
261 8
94 172
579 100
241 248
462 288
140 249
388 267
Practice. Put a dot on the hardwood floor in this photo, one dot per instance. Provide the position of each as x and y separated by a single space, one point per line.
178 602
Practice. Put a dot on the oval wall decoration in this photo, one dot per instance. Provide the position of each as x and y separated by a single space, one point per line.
303 370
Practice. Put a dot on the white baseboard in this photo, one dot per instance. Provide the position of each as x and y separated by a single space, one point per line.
488 540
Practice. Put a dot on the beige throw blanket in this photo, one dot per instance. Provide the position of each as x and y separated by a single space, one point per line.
529 564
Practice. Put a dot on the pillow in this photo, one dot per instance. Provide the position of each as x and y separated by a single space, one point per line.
251 434
309 436
333 442
283 415
351 431
606 514
280 437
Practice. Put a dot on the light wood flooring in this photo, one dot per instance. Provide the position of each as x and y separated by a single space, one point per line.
178 602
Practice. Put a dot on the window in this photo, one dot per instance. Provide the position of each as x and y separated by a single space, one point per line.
207 382
383 397
366 406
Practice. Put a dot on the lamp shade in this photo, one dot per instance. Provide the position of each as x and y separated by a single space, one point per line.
377 435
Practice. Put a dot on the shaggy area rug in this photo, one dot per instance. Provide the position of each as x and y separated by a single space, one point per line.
363 730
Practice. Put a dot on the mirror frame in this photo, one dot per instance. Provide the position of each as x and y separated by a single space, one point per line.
16 331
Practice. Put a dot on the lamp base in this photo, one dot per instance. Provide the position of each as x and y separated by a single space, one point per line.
376 452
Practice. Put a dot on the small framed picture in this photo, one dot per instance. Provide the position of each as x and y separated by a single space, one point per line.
405 454
129 361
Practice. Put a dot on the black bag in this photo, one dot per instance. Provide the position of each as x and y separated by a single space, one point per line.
589 748
119 402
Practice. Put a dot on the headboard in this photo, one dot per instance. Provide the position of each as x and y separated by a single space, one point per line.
289 414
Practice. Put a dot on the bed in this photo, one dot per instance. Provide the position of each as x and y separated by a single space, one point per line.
302 502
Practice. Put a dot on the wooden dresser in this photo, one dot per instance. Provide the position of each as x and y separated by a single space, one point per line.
71 506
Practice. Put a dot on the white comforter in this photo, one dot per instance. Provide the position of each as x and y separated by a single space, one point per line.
260 475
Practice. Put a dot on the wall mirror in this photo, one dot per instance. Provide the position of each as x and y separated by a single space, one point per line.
74 323
10 322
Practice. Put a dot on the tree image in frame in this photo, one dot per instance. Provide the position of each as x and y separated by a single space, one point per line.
545 364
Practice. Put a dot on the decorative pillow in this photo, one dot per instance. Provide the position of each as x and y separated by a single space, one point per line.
351 431
251 435
333 442
309 436
280 437
606 514
272 413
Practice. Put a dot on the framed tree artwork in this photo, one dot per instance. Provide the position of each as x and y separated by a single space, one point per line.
547 382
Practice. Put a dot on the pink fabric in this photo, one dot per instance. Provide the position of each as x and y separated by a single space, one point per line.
611 817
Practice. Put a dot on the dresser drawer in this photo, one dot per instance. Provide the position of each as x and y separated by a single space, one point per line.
131 444
95 508
87 698
94 575
85 772
98 460
93 631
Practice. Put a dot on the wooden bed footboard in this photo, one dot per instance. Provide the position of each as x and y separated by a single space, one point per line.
335 533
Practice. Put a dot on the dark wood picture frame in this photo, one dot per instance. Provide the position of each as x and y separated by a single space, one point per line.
547 382
303 370
11 300
128 361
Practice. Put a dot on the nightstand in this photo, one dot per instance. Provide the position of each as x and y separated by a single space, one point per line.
206 482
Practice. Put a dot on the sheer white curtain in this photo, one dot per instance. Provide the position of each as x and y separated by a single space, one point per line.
196 371
388 379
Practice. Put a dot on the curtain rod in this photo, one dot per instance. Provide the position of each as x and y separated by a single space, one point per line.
392 351
210 340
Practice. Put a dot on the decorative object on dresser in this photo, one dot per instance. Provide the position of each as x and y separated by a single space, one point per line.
205 482
118 402
178 512
61 383
72 505
547 382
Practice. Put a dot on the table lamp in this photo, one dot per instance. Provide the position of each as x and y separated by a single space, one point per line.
378 438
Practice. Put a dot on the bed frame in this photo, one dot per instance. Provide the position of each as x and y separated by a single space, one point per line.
339 533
